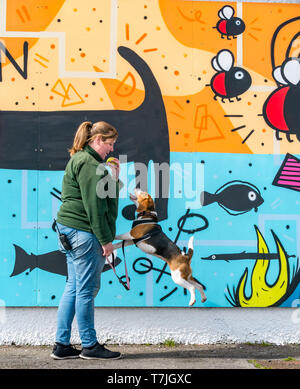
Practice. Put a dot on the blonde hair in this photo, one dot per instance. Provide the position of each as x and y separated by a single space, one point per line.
87 132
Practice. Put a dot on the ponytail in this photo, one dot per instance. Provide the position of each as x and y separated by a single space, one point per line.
82 135
87 131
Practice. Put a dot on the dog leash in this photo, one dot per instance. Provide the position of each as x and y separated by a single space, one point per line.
112 265
157 229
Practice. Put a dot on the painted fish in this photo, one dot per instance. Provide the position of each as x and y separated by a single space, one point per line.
243 255
235 197
53 262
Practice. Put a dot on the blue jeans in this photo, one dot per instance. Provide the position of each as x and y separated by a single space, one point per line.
85 263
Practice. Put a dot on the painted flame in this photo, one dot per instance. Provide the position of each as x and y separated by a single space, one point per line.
263 294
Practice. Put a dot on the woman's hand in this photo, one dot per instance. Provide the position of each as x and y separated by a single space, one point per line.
115 168
107 249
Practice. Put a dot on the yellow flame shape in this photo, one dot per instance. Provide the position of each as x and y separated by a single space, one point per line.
263 294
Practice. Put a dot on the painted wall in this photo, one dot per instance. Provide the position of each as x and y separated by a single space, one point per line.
196 92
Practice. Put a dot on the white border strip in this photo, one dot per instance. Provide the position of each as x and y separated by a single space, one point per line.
25 224
62 43
239 43
264 217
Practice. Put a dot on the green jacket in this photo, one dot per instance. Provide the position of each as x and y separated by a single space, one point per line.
87 204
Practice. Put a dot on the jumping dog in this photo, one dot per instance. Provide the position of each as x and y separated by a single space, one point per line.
148 236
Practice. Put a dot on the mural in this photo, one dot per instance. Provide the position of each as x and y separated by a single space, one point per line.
205 96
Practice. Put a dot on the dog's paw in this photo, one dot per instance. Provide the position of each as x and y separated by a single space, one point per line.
203 299
192 302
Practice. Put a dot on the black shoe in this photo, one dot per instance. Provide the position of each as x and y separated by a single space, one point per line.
60 351
98 351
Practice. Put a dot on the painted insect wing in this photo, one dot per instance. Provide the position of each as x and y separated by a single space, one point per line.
239 198
273 109
238 80
222 26
218 84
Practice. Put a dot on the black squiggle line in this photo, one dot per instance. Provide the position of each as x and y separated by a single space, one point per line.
169 294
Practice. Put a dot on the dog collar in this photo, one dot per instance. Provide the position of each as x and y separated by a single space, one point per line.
146 213
137 222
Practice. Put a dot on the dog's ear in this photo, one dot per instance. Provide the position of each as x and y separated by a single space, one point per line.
150 204
141 206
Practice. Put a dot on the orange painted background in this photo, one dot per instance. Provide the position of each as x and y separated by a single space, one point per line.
178 40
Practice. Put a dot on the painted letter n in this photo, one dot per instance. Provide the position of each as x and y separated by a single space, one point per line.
10 57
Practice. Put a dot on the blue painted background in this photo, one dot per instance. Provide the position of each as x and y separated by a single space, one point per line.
28 209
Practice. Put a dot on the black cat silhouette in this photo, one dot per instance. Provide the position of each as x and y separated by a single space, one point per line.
38 140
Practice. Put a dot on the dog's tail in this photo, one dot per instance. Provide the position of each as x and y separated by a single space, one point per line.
190 248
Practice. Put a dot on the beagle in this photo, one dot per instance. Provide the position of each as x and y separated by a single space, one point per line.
147 235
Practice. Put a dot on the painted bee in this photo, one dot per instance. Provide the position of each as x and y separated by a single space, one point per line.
281 110
229 25
230 81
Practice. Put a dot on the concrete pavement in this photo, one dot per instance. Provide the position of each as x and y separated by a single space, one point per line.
213 356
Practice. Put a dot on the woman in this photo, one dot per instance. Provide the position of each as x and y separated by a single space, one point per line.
87 218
